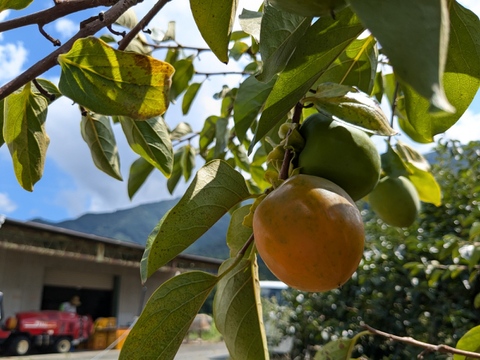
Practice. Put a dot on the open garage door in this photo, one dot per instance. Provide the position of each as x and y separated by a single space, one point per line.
96 291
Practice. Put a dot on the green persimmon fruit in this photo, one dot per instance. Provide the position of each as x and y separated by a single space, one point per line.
309 8
395 200
340 153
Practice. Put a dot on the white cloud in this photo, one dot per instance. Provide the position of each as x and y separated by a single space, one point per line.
12 59
66 27
4 14
466 129
6 204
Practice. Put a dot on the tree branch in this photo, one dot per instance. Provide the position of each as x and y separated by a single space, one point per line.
426 346
61 9
50 60
141 24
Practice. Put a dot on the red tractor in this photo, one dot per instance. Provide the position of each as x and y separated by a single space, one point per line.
46 330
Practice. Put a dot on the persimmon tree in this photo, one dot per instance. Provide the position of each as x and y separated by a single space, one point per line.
419 57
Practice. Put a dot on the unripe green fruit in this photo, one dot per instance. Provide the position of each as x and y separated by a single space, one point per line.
309 8
340 153
395 200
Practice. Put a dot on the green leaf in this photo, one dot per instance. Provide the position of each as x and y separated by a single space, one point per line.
340 349
237 234
176 172
461 78
419 174
183 74
189 96
98 134
164 322
250 98
208 132
474 230
221 137
24 116
240 156
251 22
349 104
14 4
237 311
279 34
356 66
48 86
215 20
415 39
139 171
215 189
112 82
469 342
180 131
188 161
321 44
392 163
150 139
128 19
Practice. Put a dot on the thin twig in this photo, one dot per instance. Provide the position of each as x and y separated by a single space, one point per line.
61 9
426 346
42 91
142 24
50 60
223 73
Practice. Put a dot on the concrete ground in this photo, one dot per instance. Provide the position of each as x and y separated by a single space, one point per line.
188 351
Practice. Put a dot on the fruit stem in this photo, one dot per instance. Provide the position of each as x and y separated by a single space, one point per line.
287 158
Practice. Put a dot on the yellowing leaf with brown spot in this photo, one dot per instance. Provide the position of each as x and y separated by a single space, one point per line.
112 82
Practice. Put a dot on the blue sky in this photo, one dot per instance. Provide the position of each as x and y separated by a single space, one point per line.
72 185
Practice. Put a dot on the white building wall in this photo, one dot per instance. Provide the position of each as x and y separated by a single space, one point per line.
23 275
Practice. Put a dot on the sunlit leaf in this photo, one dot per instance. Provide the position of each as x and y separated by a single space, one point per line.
237 234
279 36
474 230
112 82
188 161
24 116
151 140
128 19
250 98
221 137
49 87
164 322
321 44
238 311
182 129
215 189
250 22
349 104
419 174
419 62
469 342
14 4
356 66
215 20
392 163
139 171
461 78
340 349
183 74
189 96
412 156
98 134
